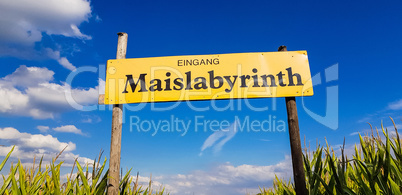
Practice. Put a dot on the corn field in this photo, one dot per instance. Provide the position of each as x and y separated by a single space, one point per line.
32 181
375 168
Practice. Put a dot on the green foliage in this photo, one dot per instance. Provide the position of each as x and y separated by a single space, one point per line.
376 168
37 181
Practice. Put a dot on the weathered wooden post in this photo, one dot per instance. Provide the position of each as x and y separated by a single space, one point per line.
295 143
117 119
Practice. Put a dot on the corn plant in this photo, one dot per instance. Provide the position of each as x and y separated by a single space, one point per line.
375 168
37 181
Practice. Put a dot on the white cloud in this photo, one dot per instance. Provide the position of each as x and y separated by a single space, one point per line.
43 129
68 129
52 95
12 99
29 76
225 134
27 19
397 105
222 179
65 63
36 141
24 21
26 93
27 146
61 60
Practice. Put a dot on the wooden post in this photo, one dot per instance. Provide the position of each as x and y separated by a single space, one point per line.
117 119
295 144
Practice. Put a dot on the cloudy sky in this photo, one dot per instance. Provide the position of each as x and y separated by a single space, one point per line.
53 55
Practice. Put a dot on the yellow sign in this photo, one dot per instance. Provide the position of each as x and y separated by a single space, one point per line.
208 77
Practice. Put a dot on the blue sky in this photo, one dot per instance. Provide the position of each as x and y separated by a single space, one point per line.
354 54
